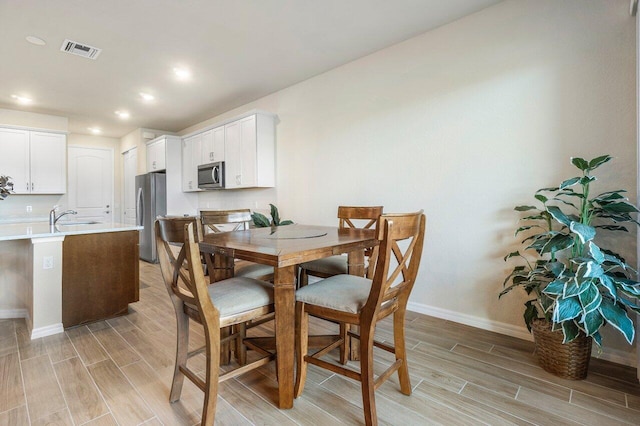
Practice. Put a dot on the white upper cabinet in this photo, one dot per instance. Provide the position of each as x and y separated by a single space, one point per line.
130 167
250 152
212 145
36 161
156 155
191 158
48 163
246 144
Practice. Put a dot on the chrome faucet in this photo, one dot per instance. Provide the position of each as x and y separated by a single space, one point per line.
53 218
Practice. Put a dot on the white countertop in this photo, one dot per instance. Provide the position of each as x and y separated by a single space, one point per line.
28 230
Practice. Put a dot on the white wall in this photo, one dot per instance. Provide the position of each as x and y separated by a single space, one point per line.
465 122
33 120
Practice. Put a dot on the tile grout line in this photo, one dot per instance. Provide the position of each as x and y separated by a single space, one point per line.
135 389
24 388
84 366
64 397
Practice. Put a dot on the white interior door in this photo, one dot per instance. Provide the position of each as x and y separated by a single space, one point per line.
90 190
130 166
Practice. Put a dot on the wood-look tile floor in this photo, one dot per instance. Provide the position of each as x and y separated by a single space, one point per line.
118 372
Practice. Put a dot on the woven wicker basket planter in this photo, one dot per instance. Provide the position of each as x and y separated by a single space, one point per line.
569 361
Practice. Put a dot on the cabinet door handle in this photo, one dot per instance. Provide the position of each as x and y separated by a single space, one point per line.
32 186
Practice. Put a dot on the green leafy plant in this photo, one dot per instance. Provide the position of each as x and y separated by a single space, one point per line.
6 187
576 284
261 221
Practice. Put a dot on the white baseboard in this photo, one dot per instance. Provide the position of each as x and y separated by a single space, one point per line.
47 331
608 354
13 313
35 332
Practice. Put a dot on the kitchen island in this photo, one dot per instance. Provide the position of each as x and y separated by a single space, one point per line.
68 274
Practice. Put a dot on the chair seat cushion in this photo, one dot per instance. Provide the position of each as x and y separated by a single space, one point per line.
252 270
332 265
240 294
346 293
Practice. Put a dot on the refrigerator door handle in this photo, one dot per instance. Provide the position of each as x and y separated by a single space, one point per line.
140 208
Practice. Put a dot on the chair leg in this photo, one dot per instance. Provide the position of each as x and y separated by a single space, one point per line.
182 349
211 380
302 347
225 349
241 349
345 348
401 351
304 278
366 376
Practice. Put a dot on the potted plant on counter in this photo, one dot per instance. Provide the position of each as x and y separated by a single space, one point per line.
6 187
576 285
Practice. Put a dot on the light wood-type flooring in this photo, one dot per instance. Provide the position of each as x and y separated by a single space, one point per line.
118 372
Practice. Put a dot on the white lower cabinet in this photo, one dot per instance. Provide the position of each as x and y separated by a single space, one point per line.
36 161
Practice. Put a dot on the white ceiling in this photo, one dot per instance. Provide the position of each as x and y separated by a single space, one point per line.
237 51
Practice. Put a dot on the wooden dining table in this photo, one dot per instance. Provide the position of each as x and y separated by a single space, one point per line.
283 248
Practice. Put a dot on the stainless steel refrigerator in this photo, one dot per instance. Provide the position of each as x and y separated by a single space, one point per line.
151 202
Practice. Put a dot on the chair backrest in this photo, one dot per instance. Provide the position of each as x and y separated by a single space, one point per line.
170 241
397 259
209 314
240 219
347 214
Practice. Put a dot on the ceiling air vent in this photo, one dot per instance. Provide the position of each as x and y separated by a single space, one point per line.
80 49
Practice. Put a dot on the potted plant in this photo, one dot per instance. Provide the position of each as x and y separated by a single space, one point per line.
261 221
576 285
6 187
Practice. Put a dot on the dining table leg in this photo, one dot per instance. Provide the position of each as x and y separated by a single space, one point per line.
284 294
355 266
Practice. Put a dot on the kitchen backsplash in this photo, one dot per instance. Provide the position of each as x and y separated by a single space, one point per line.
14 207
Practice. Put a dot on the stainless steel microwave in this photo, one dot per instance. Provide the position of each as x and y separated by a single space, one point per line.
211 176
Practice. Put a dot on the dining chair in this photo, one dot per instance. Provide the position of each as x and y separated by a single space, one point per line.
224 304
349 217
225 221
363 301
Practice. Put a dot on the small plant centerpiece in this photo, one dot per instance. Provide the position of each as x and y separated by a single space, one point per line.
261 221
577 286
6 187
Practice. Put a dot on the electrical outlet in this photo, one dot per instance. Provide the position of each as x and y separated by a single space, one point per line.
29 209
47 262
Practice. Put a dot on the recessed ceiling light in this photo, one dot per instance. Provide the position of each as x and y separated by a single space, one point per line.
24 100
146 97
94 130
182 73
123 114
36 40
